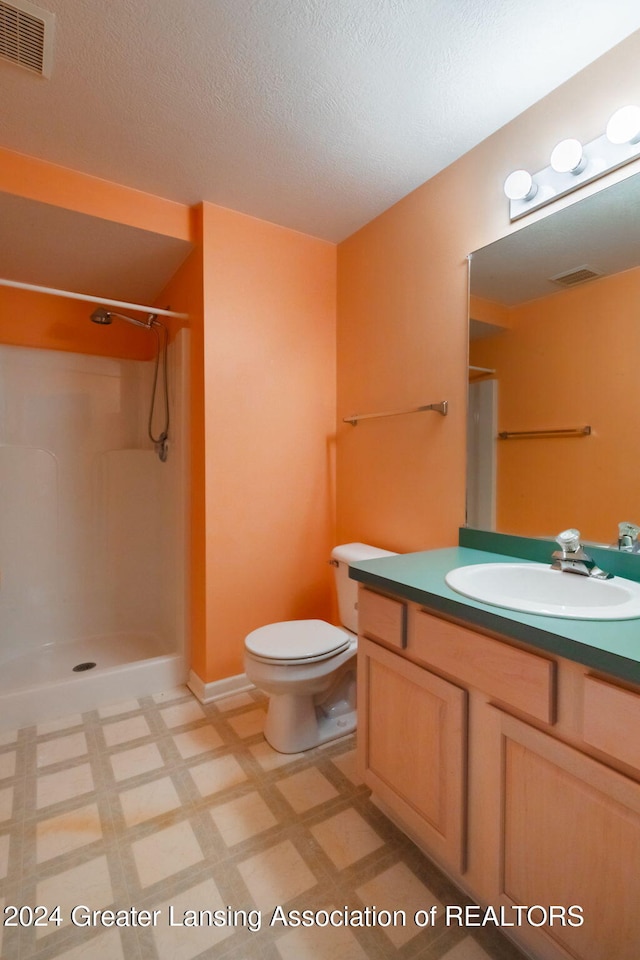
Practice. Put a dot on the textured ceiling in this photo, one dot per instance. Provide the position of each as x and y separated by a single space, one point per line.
315 114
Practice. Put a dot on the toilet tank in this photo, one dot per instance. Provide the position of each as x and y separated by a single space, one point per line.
347 589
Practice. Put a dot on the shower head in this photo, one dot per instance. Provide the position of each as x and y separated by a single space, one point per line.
103 316
100 315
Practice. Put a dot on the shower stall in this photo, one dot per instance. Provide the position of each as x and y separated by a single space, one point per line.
92 532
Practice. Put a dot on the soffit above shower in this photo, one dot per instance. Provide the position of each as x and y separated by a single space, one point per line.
50 246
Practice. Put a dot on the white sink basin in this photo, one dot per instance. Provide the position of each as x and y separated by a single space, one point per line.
536 588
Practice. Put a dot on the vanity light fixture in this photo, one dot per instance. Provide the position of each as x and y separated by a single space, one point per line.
624 125
519 185
568 157
573 164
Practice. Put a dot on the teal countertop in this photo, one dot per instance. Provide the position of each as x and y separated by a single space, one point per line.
609 646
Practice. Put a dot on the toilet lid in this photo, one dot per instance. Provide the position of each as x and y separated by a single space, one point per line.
297 640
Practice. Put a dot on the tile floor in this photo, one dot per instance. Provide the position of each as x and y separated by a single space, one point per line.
161 809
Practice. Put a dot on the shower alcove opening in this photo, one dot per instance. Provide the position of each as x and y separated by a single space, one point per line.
92 533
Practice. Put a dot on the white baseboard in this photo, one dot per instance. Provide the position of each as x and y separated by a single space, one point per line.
208 692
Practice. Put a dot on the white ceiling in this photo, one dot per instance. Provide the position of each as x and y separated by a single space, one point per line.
315 114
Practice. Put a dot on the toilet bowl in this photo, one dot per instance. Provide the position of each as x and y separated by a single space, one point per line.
308 667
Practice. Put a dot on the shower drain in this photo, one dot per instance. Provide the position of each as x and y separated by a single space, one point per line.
80 667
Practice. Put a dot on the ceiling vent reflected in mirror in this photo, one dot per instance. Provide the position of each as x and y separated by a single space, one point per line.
577 275
26 36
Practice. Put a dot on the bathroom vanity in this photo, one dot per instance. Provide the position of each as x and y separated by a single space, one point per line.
507 746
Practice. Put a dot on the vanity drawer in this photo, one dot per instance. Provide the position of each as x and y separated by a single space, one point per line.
611 720
382 618
513 676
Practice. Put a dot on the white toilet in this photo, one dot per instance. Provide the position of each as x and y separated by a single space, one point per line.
308 667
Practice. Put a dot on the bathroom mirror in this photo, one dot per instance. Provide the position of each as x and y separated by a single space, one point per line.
554 355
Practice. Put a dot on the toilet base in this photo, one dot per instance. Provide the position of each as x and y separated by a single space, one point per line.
295 724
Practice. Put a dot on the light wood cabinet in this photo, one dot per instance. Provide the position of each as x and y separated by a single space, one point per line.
516 677
611 720
383 618
569 837
518 772
413 747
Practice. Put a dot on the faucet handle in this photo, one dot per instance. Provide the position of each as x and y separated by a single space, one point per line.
569 540
627 535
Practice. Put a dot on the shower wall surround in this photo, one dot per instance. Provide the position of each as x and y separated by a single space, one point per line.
92 524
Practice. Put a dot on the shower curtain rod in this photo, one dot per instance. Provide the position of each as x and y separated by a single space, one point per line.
70 295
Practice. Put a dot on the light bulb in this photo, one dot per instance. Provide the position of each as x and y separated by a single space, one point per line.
624 125
519 185
568 157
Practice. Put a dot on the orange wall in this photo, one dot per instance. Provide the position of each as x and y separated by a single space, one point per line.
261 304
402 331
269 416
184 294
566 362
402 315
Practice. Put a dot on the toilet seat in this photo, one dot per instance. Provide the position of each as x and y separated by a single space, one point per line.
297 641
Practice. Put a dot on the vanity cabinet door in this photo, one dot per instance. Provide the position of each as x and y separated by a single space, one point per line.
412 748
567 834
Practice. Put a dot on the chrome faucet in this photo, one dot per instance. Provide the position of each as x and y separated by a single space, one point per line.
628 537
571 558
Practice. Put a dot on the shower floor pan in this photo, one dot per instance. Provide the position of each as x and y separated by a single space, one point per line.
42 685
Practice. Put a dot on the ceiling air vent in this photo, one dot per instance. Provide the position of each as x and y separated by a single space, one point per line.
26 36
576 275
